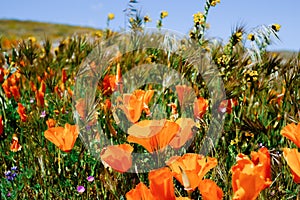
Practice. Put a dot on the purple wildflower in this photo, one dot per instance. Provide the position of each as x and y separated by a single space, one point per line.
43 114
90 179
14 168
80 189
7 173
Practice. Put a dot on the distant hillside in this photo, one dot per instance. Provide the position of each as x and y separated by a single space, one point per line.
16 29
40 30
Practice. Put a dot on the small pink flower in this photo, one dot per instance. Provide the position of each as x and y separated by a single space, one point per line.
90 179
80 189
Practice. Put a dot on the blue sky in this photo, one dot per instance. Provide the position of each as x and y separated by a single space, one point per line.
222 18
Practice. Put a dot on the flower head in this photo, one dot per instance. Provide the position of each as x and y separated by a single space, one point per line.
15 145
250 177
90 179
292 157
292 132
50 123
110 16
214 2
141 191
190 169
147 19
276 27
63 137
251 37
43 114
80 189
118 157
163 14
137 102
21 111
200 107
210 190
198 18
153 135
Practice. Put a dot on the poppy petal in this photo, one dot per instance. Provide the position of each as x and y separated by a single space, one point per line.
141 191
117 157
292 156
292 132
210 190
161 183
185 133
54 136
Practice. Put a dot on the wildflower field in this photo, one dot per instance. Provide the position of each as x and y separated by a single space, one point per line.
149 114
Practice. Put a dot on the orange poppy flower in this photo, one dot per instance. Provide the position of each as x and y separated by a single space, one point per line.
200 107
107 105
39 96
64 76
185 133
292 132
262 157
210 190
153 135
134 104
1 126
62 87
21 111
12 80
109 84
63 137
292 157
250 177
50 123
191 168
183 92
42 87
15 145
15 92
118 157
6 88
161 183
58 91
32 85
70 92
161 187
141 191
227 105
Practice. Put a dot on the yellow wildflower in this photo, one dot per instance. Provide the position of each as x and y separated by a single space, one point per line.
147 19
32 39
214 2
198 18
163 14
110 16
276 27
251 37
98 34
238 36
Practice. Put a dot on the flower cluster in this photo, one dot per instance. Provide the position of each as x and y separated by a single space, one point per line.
11 174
